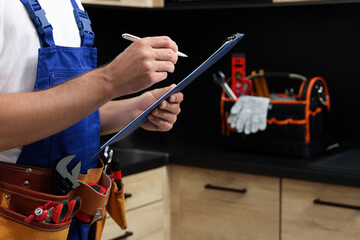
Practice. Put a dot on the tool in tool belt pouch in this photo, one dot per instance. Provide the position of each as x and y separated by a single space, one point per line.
116 205
49 213
41 213
65 180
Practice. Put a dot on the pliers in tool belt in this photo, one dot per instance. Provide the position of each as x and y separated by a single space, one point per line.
62 212
65 210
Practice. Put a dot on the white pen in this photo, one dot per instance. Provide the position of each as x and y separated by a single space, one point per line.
134 38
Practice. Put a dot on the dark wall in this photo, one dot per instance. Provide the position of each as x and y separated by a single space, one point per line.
312 40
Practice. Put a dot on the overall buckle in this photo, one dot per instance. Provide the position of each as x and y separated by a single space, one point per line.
83 22
37 14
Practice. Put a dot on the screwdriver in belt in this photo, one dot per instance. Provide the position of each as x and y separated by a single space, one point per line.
116 168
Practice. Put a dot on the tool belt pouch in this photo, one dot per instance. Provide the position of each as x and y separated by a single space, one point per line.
115 208
23 189
296 126
116 205
94 203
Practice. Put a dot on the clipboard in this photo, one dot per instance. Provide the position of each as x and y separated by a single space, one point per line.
143 117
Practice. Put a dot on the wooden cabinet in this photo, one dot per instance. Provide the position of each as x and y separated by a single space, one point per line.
235 206
334 215
146 208
183 203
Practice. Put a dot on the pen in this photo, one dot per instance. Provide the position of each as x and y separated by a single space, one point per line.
134 38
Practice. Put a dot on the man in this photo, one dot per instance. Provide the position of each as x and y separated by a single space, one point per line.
44 116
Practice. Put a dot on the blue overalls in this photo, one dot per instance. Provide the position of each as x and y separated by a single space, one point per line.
57 64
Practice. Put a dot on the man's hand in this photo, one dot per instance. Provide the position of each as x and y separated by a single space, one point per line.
164 116
115 115
143 63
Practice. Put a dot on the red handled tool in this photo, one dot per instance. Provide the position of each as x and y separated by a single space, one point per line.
98 188
40 213
116 168
60 211
65 210
74 207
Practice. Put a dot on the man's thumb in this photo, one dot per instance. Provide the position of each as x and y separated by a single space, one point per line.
159 92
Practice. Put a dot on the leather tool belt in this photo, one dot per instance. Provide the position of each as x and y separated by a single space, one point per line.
24 188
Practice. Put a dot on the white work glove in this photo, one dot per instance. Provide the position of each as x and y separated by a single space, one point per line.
249 114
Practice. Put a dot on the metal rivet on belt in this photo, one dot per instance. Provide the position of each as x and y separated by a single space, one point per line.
7 196
26 183
29 170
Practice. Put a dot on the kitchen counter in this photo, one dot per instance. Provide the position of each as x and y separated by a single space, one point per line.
341 166
136 160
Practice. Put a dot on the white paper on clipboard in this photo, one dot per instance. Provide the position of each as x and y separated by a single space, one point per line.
143 117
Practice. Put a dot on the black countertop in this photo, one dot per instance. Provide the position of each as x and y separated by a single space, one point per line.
136 160
340 166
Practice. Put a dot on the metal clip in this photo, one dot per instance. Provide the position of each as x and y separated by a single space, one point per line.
108 154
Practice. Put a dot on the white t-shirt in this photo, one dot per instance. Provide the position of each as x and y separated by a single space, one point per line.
19 44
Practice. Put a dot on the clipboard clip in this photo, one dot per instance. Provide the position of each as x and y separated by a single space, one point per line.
232 37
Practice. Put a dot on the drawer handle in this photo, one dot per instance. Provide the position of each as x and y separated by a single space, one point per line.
209 186
318 201
125 235
127 195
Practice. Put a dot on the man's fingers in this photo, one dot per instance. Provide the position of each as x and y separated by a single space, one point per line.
159 92
166 55
176 97
161 124
164 66
162 42
173 108
164 115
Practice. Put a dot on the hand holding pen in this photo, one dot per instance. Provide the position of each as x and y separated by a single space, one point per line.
133 38
145 62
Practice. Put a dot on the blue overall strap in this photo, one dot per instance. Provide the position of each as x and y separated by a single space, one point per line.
43 27
84 24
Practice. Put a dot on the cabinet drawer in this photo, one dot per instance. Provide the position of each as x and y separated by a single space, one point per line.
330 218
145 223
144 188
206 213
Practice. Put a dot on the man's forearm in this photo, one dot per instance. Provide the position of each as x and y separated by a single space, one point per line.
28 117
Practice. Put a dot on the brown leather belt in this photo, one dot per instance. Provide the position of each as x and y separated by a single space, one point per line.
28 177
